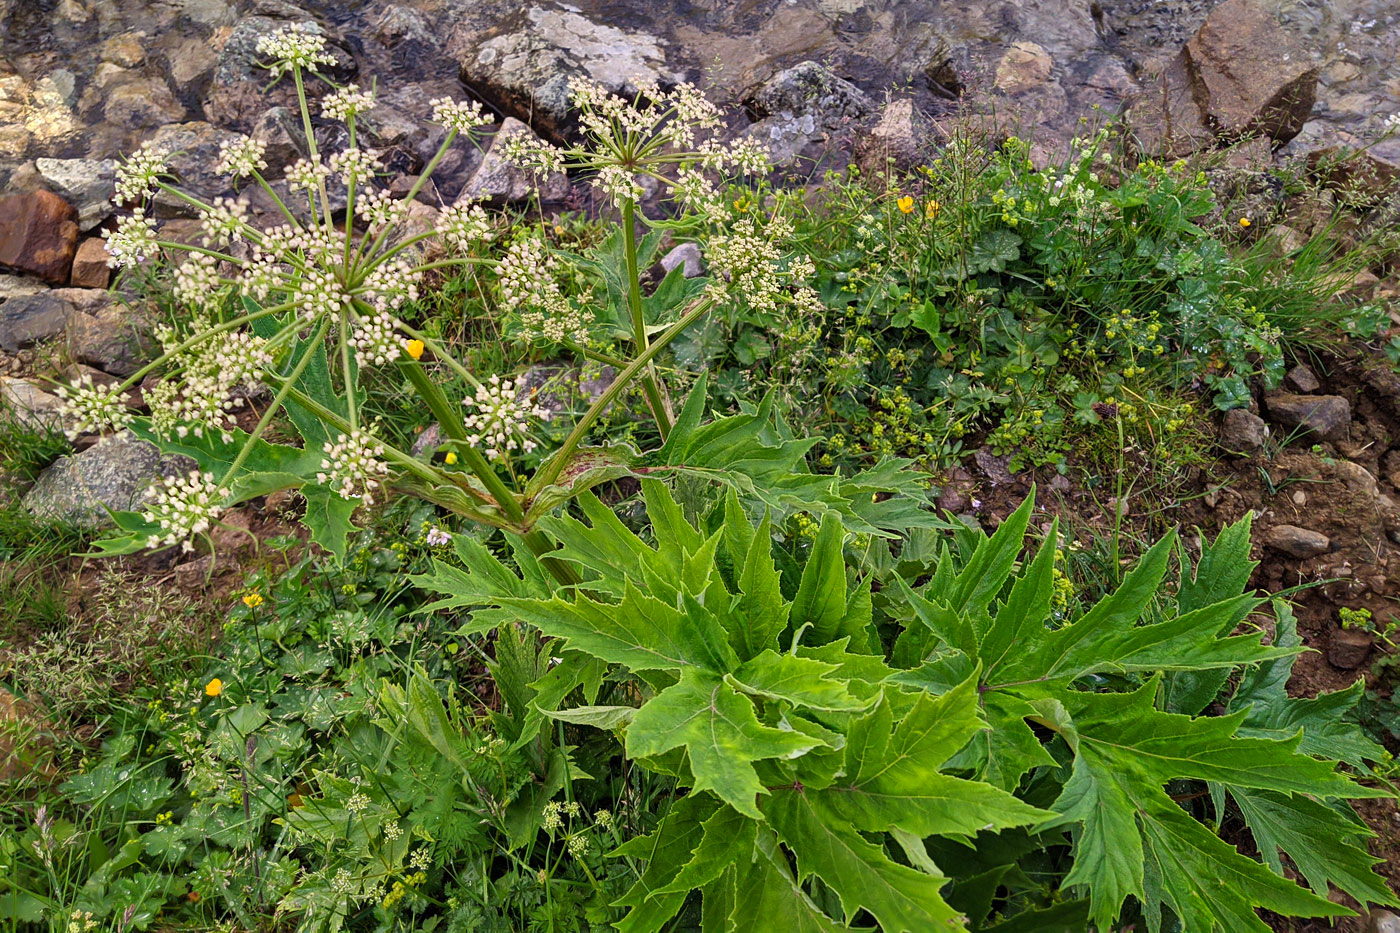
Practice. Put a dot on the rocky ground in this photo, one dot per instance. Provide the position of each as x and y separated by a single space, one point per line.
820 82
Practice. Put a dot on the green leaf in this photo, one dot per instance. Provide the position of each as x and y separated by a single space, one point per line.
799 681
663 851
821 597
727 837
721 734
599 717
587 467
328 517
899 897
769 900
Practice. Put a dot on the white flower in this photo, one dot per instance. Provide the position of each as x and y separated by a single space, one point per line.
197 280
357 802
223 223
463 225
92 409
748 258
184 508
308 174
354 166
346 103
557 320
132 241
138 175
528 274
499 420
295 46
241 157
319 292
374 340
618 184
379 209
390 284
352 466
260 276
460 115
197 398
528 151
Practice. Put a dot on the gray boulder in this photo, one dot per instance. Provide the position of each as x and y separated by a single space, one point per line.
117 472
28 319
87 184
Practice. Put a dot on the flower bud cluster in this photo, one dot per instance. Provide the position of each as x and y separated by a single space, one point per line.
295 46
307 174
139 174
528 274
132 241
746 264
463 225
374 340
378 208
460 115
92 409
558 320
197 281
199 397
345 103
318 293
354 166
184 508
241 157
224 222
352 465
499 420
391 283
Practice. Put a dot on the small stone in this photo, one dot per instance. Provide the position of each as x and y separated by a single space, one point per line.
1357 478
1301 378
1348 649
1326 415
116 472
1242 431
29 319
31 405
279 129
191 62
1383 921
1297 542
127 49
899 135
687 256
87 184
1024 66
38 234
1300 498
141 102
950 500
194 576
90 269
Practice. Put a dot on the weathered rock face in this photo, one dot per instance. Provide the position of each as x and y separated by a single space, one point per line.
805 105
1240 75
87 184
498 181
116 472
31 405
28 319
38 234
109 336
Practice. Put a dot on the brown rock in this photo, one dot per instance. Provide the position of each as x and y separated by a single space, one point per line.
1163 118
1326 415
38 234
1357 478
90 269
1297 542
1242 431
1361 170
1302 378
897 136
1348 649
1249 76
1024 66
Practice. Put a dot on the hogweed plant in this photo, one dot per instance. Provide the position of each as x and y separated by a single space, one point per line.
315 302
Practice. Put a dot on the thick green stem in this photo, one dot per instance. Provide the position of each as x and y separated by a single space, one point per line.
655 401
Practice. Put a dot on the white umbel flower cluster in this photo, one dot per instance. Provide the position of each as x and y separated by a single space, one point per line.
556 321
460 115
499 420
241 157
91 409
375 342
618 184
391 283
183 508
132 241
138 175
533 154
528 274
378 208
307 174
318 292
354 166
746 264
200 398
295 46
352 465
463 225
346 103
223 223
197 280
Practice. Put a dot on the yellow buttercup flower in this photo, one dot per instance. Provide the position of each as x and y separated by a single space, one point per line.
451 457
905 205
932 207
214 687
1244 221
415 349
253 600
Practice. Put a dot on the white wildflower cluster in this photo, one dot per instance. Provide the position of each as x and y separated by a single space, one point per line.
308 174
391 283
499 420
392 830
533 154
375 341
460 115
139 174
354 166
558 320
183 508
200 398
92 409
197 280
380 209
261 275
578 846
695 191
344 104
318 292
746 263
241 157
463 225
618 184
132 241
528 274
295 46
224 222
352 465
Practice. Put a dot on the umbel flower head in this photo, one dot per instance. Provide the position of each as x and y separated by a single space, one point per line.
499 419
299 45
89 408
184 507
352 466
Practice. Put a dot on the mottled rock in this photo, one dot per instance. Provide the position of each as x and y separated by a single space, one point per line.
1348 649
194 152
87 184
38 234
1242 431
116 472
280 130
1383 921
190 65
127 49
802 107
687 256
898 137
1326 415
1357 478
1025 65
30 405
13 286
90 269
236 91
1297 542
1303 379
524 63
1163 118
109 337
141 102
28 319
499 181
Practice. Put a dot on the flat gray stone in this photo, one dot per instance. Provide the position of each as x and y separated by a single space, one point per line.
1326 415
117 472
87 184
27 319
1297 542
30 405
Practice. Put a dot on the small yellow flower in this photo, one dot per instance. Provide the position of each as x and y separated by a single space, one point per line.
1244 221
451 457
253 600
415 349
905 205
214 687
932 208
